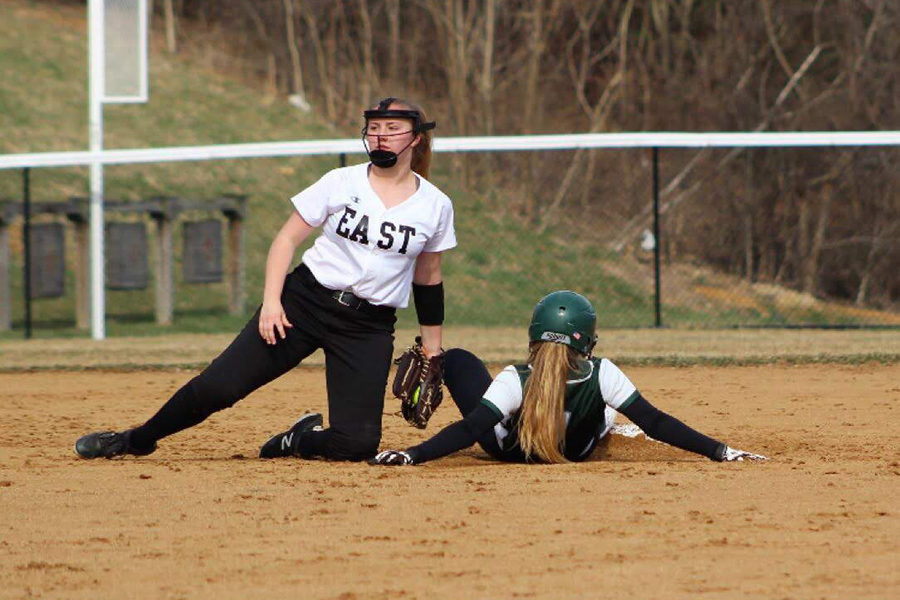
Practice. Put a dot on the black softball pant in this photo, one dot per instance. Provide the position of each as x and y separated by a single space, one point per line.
467 379
358 346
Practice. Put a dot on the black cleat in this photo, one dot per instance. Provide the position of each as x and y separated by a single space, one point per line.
288 442
108 444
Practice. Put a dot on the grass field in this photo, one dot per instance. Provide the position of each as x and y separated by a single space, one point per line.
494 345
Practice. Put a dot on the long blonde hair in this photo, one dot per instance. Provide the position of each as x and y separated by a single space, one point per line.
421 152
542 418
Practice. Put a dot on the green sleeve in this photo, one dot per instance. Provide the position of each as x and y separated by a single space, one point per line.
634 396
494 409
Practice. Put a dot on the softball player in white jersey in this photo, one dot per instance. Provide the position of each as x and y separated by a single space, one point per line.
384 227
555 408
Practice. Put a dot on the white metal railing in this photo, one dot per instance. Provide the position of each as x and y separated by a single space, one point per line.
460 144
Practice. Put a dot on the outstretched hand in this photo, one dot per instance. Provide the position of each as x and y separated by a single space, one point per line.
391 457
733 454
272 323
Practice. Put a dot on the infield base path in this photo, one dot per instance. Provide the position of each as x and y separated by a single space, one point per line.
203 518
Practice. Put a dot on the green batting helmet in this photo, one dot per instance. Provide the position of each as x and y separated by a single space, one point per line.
566 318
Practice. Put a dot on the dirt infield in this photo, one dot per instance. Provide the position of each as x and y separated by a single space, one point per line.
203 518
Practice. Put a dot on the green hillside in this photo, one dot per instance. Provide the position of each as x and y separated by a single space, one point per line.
493 278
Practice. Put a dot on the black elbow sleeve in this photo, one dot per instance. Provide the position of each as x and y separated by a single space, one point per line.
429 300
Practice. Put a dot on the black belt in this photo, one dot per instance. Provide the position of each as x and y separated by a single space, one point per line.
343 297
348 299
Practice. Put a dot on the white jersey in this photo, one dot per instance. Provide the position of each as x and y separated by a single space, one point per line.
504 395
368 249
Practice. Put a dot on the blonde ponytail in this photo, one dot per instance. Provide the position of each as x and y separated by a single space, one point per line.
542 418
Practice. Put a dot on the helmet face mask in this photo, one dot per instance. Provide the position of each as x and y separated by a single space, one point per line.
565 317
387 158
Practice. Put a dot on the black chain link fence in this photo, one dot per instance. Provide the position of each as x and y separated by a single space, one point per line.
674 238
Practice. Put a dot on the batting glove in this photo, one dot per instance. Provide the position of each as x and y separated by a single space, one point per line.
728 454
392 457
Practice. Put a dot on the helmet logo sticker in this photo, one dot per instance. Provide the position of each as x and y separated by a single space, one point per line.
559 338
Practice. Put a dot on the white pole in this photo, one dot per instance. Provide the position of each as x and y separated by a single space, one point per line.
143 47
95 119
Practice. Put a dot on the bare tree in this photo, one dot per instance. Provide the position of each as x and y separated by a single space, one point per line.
805 219
368 67
323 71
393 17
297 90
259 24
171 41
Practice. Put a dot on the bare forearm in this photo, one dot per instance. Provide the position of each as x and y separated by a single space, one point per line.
431 339
281 253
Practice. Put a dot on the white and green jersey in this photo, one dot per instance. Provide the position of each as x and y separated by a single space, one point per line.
593 394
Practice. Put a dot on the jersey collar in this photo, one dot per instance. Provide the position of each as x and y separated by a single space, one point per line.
586 369
584 372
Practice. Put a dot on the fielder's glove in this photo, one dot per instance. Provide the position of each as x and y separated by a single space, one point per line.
417 384
392 457
727 454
